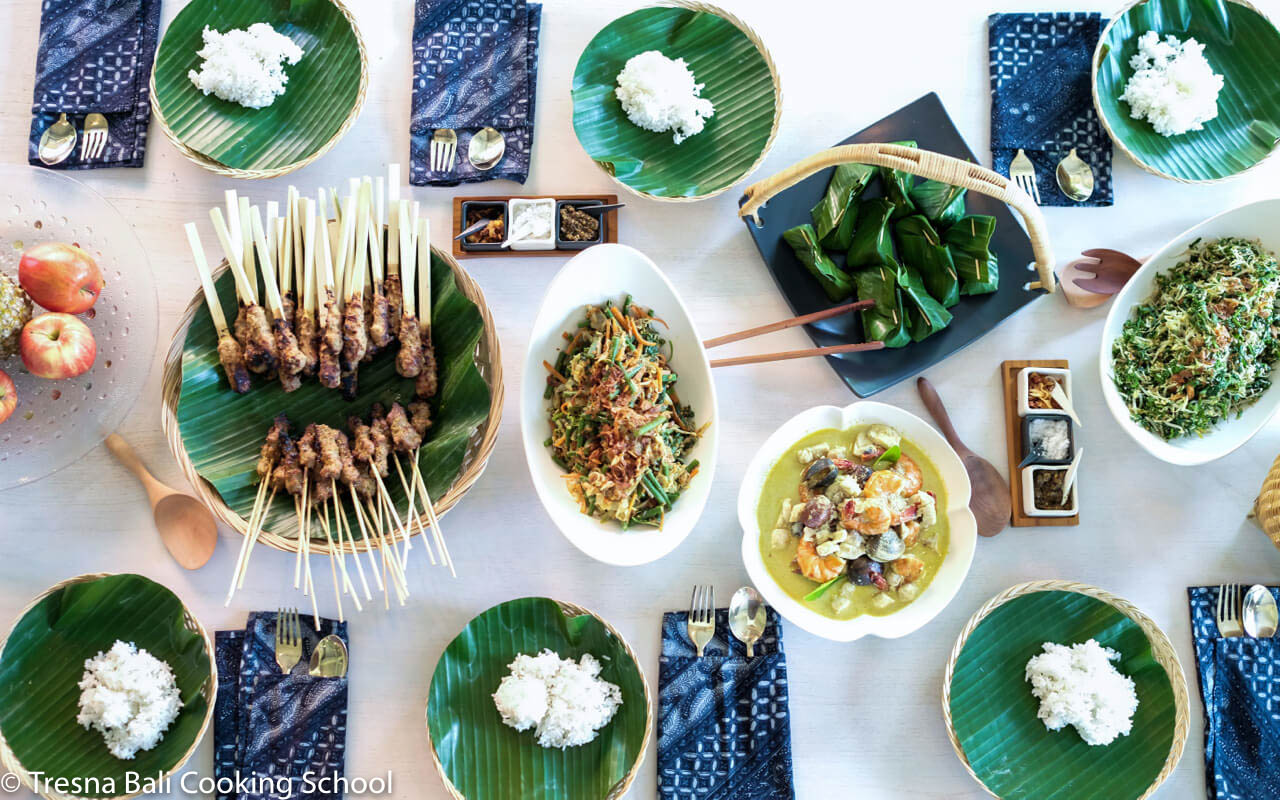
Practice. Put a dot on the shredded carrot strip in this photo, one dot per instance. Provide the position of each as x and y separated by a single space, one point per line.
553 371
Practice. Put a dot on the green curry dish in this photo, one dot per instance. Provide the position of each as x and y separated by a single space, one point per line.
1203 346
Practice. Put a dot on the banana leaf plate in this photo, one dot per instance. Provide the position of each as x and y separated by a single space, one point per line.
740 81
323 96
926 122
42 661
481 758
991 713
216 434
1241 44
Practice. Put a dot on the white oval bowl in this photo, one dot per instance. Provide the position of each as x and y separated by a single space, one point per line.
962 525
1253 221
599 273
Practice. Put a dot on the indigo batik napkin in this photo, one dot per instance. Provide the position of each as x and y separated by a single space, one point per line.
1240 686
96 55
1042 98
270 728
724 729
475 65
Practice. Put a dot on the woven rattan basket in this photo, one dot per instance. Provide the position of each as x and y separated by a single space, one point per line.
925 164
1161 648
707 8
10 762
218 168
1266 507
621 787
488 358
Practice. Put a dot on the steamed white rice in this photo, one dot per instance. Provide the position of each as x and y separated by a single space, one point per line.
1079 686
566 701
659 94
245 66
1173 86
130 697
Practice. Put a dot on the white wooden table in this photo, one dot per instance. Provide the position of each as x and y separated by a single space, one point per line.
1149 530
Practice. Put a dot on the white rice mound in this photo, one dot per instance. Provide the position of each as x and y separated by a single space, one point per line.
1079 686
130 697
1173 86
245 66
567 702
660 95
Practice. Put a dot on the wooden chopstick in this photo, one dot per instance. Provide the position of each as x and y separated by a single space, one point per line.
809 352
803 319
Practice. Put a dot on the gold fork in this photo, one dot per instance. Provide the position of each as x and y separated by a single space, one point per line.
702 616
1023 173
288 639
95 137
444 147
1229 610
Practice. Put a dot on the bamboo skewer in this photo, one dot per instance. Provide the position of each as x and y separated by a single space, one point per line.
246 248
355 554
368 540
411 492
244 544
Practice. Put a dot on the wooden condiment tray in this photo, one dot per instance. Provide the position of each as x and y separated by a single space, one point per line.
610 222
1013 437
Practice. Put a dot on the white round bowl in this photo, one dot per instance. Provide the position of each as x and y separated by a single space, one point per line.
603 272
963 527
1251 221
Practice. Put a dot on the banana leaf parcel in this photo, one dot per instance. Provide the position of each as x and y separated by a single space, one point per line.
921 247
835 281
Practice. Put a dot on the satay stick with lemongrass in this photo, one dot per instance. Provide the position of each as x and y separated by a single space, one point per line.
329 367
247 260
392 280
427 380
229 353
289 358
354 336
380 310
252 328
306 326
409 359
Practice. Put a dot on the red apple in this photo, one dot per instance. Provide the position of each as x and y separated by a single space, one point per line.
60 277
57 346
8 396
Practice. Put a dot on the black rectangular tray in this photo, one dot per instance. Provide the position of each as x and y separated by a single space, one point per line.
926 122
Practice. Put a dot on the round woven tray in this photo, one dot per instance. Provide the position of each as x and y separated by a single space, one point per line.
10 762
620 788
696 5
218 168
1111 134
1161 648
488 359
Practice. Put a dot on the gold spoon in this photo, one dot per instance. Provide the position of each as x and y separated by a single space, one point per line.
186 527
329 659
57 142
486 149
1075 177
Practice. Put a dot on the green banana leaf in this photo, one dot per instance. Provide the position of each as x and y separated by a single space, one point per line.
885 321
223 431
736 80
969 241
871 243
836 213
1241 45
321 93
925 316
835 281
487 760
994 713
897 187
44 658
941 203
921 248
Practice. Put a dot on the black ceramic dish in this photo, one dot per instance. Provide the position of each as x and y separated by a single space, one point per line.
1028 457
487 206
926 122
562 244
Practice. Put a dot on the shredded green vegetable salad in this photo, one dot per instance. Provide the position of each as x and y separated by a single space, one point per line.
1203 346
617 426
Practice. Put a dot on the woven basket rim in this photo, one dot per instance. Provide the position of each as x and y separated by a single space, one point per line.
622 786
1161 648
210 689
479 448
1096 65
754 38
217 167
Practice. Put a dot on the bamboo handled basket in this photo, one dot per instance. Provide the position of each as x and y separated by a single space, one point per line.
621 787
924 164
1266 507
488 360
10 762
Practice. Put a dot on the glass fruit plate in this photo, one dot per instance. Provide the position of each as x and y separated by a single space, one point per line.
57 422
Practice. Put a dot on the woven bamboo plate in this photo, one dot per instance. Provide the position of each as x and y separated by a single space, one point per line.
990 712
497 762
75 652
326 91
281 533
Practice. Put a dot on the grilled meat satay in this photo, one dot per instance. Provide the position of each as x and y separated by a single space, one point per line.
287 475
361 439
348 473
379 318
426 385
288 305
309 447
395 301
409 359
259 343
355 339
289 357
320 492
380 432
308 331
370 349
270 451
404 437
330 452
232 358
420 417
355 473
329 369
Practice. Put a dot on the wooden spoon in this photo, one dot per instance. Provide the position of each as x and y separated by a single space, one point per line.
186 527
989 501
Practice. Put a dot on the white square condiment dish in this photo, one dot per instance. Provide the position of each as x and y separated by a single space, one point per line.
1024 382
544 205
1029 495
